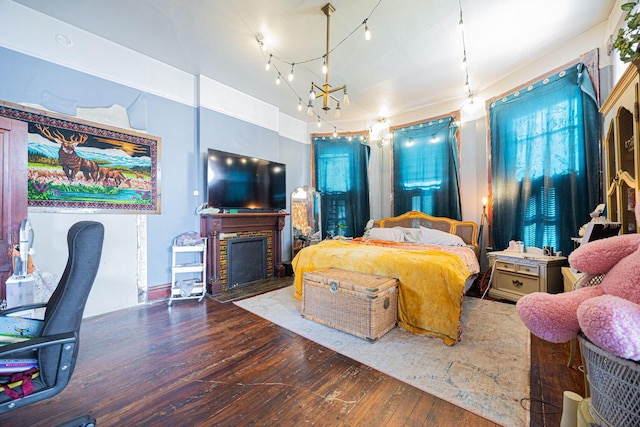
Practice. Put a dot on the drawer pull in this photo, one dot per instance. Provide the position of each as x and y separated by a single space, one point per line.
517 283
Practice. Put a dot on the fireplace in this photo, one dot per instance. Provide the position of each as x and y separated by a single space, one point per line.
246 260
257 232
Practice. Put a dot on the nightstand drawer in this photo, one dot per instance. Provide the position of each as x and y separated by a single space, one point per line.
517 283
531 270
505 265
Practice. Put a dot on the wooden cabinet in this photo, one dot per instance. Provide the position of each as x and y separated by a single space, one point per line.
620 145
517 274
13 190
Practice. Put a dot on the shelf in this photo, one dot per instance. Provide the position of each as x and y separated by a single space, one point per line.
196 268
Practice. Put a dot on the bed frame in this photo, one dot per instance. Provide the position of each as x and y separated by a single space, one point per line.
467 230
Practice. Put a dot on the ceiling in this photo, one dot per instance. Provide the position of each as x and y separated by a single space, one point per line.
412 61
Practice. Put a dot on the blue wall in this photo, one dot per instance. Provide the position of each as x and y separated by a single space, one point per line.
25 79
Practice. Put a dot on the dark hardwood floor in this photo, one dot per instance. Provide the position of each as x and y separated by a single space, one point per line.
205 364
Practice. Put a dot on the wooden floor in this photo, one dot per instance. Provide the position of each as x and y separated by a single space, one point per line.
205 364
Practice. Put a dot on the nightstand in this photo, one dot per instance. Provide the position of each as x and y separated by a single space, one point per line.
516 274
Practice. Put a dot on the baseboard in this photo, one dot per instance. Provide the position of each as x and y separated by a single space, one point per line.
159 292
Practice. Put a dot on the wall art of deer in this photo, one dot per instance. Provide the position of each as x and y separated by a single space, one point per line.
70 161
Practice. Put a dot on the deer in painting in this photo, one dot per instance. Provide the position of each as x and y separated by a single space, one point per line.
68 158
109 176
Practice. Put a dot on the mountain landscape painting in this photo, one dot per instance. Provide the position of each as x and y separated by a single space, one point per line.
74 165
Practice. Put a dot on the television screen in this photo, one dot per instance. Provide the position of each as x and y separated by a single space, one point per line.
242 182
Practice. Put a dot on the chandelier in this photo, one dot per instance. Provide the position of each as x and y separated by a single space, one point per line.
326 91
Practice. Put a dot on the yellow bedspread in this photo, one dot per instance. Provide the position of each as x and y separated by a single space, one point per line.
431 282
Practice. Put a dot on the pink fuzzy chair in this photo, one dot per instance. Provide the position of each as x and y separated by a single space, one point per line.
608 313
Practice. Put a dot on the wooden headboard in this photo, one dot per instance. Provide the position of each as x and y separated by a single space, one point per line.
467 230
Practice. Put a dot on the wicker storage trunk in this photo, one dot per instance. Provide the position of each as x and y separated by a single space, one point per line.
364 305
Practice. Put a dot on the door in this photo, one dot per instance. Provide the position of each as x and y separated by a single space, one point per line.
13 191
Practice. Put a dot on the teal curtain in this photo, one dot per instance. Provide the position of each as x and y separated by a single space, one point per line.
545 161
425 169
342 179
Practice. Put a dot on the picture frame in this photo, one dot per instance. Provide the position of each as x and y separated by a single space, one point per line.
78 165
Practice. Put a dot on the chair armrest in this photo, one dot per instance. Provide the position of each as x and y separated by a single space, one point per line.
22 308
37 343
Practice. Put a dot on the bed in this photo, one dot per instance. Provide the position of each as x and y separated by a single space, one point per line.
434 259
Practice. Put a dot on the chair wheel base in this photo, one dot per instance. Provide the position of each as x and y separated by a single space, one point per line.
83 421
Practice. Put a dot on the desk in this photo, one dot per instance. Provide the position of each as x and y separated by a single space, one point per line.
569 279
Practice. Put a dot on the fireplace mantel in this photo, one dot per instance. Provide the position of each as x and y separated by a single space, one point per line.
217 227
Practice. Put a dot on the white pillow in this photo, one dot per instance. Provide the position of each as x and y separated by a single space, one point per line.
437 237
411 235
388 234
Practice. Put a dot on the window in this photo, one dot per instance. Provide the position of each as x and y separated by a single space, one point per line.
342 179
425 168
545 160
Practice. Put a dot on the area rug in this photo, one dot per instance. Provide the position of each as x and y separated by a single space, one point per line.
487 372
253 288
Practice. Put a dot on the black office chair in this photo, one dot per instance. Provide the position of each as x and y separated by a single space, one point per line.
57 346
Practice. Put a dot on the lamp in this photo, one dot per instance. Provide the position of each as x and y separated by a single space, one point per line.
483 222
325 91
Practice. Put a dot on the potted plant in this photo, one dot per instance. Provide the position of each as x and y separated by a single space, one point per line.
628 37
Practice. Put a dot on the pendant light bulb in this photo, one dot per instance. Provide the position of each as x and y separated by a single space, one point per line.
367 33
267 67
300 105
338 111
335 133
291 73
278 79
345 98
312 94
310 109
319 124
324 65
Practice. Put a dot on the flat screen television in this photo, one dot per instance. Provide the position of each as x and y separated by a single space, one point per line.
242 182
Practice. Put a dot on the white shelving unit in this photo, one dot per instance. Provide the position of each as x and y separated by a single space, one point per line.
195 269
